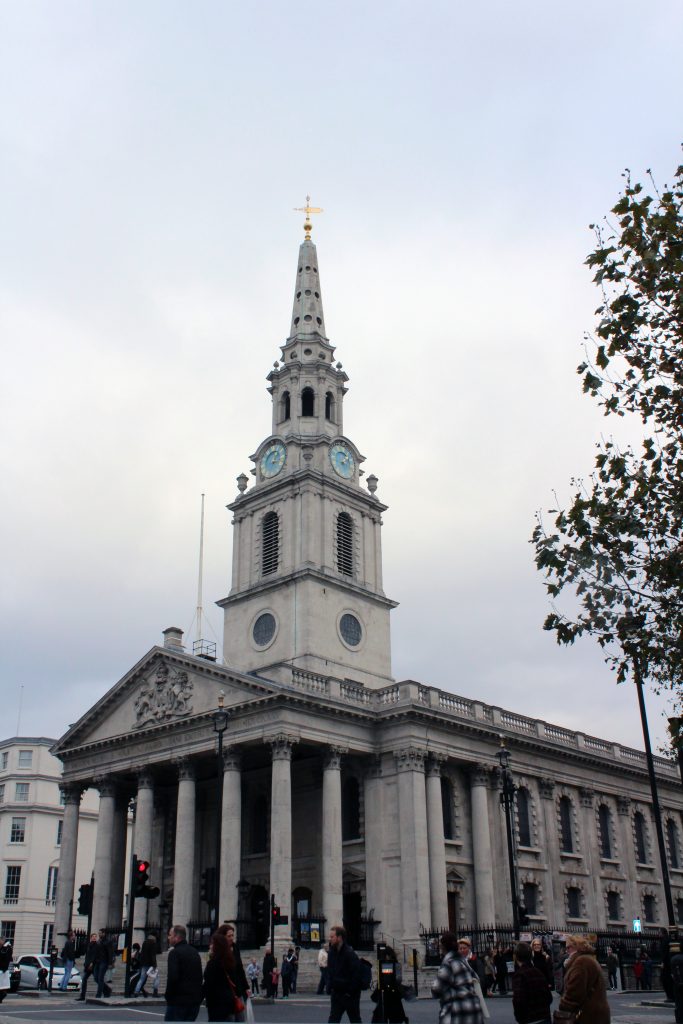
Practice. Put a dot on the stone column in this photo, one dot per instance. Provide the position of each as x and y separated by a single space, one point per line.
119 867
281 829
103 850
333 906
412 813
481 845
231 834
374 838
183 876
66 877
591 855
438 886
628 860
553 896
142 845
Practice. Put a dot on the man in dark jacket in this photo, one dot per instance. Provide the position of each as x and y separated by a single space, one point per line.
88 965
68 956
343 979
184 979
531 996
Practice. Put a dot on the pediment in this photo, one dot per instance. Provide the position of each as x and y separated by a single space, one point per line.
164 688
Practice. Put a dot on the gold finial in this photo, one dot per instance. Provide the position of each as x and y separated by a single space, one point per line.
308 210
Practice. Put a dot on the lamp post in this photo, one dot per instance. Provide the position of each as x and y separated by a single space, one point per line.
629 628
220 724
676 733
507 799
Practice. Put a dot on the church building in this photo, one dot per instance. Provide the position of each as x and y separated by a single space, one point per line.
347 795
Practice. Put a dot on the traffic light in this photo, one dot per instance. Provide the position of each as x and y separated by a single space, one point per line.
208 886
85 900
261 910
275 913
141 890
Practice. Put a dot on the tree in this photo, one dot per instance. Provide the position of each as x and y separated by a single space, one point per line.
618 546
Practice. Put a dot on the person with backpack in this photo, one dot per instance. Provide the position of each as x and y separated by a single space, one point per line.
344 980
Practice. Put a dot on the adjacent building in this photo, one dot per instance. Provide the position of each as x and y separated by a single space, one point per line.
344 793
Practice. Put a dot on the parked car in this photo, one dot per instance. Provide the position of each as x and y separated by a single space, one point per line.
32 965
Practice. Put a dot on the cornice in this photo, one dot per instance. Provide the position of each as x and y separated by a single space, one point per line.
262 494
308 572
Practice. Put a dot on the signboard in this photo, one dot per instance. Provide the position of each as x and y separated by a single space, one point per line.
637 926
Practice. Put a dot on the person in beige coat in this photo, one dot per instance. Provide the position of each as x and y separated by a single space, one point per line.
584 989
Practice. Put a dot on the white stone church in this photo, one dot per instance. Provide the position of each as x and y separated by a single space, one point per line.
344 793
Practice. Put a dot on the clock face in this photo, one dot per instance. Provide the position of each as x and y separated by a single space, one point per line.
342 461
273 459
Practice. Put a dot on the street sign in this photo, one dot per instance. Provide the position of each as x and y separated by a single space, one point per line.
637 926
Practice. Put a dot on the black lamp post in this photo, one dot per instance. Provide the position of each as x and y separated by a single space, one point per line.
220 724
676 733
507 799
629 629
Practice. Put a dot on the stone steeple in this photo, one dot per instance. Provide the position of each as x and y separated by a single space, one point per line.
308 319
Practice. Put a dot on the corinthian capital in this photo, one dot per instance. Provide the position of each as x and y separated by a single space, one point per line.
281 746
410 759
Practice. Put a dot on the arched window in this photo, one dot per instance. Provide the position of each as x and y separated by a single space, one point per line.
566 838
604 819
649 909
672 842
301 901
523 817
258 824
613 906
530 897
447 808
270 543
345 543
350 809
640 836
573 901
308 402
285 406
329 406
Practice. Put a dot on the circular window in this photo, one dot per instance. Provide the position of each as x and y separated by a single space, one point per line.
308 318
264 629
350 629
308 352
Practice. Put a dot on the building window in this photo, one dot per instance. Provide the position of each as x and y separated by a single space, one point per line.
679 910
21 791
12 883
4 757
530 897
8 930
345 544
18 830
604 819
2 792
48 931
62 797
641 841
672 842
60 829
260 822
447 808
573 902
270 548
329 406
649 909
613 906
566 837
285 406
523 817
25 758
351 809
264 629
308 402
350 629
51 887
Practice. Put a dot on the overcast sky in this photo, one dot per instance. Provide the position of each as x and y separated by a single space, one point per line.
152 153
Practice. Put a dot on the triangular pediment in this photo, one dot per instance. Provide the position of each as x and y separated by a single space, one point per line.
164 688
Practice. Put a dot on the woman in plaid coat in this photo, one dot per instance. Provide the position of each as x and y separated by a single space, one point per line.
454 985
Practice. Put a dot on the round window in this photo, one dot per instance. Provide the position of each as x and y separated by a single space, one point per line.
351 630
264 629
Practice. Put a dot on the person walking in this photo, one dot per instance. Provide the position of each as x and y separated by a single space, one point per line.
676 966
184 979
531 994
322 967
68 956
287 972
220 990
584 990
6 953
542 962
101 963
343 978
268 964
88 967
148 966
612 966
389 993
295 971
500 966
454 984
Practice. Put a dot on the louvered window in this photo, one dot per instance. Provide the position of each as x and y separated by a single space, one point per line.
270 543
345 543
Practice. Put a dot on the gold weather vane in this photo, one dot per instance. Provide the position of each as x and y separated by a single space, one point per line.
308 210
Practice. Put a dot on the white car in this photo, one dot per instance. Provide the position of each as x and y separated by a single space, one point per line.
33 963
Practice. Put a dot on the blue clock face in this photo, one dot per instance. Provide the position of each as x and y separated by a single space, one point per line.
273 459
342 461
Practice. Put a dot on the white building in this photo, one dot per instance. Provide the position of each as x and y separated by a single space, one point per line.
31 822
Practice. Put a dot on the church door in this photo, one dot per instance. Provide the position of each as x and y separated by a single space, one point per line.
352 905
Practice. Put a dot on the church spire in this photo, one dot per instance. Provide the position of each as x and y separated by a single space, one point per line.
307 312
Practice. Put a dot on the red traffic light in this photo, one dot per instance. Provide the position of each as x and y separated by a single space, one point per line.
143 867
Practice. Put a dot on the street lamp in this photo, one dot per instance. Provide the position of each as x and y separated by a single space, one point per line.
630 627
220 724
507 799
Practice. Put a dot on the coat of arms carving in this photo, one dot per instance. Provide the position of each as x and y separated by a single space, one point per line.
164 696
